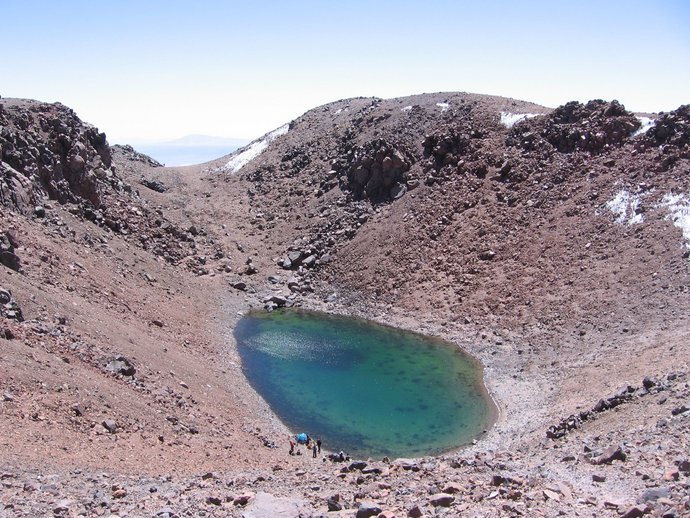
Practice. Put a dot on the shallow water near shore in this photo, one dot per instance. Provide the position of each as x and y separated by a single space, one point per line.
363 388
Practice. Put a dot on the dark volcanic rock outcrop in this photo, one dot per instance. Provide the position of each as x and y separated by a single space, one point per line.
574 126
47 149
48 153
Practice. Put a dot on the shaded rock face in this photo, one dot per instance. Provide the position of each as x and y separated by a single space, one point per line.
374 170
574 126
47 150
7 256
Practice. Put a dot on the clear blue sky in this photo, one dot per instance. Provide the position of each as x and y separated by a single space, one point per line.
162 69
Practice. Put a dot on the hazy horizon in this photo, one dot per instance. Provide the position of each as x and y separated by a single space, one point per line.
159 70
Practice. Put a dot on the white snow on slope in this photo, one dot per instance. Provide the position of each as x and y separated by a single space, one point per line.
647 124
624 206
443 106
254 149
678 206
511 119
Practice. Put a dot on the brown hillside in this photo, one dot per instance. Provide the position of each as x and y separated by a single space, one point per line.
552 247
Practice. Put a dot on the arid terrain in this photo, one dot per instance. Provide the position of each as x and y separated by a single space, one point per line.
553 245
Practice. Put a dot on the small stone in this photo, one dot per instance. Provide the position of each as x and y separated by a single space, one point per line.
680 410
39 211
598 478
415 512
452 488
62 507
333 503
648 382
213 500
684 466
243 499
671 475
367 509
612 504
8 396
120 493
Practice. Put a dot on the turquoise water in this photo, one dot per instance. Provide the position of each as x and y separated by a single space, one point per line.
363 388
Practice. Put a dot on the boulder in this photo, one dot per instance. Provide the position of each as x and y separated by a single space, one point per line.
309 261
635 511
154 185
358 465
278 300
294 257
7 255
655 493
121 365
110 425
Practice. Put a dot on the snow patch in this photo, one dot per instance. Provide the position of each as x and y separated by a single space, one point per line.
511 119
624 206
646 124
406 109
242 158
678 206
443 106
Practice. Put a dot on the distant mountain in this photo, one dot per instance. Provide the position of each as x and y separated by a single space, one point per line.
190 149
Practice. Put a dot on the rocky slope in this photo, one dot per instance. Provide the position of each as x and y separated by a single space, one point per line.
551 244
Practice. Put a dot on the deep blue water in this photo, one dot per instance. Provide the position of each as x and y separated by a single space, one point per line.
367 389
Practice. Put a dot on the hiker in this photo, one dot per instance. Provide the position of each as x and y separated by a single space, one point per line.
318 444
313 451
292 445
